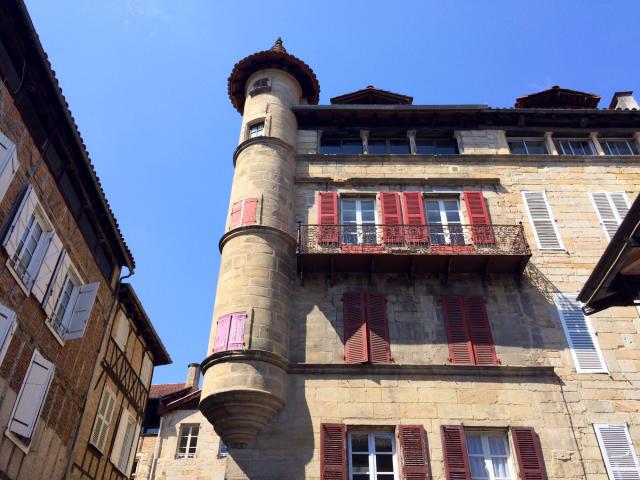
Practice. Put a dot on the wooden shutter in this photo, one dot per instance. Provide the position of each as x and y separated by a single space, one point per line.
327 217
413 453
8 164
580 335
134 446
529 454
391 214
7 329
121 334
481 228
544 227
249 211
617 451
378 328
236 331
47 268
31 396
477 321
460 350
414 218
56 283
222 334
236 215
146 370
20 221
620 203
612 208
81 311
333 451
100 431
454 447
355 327
127 443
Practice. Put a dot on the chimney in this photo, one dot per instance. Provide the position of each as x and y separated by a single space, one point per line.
193 375
622 101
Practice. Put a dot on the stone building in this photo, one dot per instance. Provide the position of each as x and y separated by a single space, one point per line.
397 290
177 442
61 262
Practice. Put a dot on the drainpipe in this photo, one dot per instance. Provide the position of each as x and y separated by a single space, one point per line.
154 459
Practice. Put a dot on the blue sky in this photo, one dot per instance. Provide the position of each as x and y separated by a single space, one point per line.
146 82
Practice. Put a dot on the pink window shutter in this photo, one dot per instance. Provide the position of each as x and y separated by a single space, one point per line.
236 215
249 211
222 334
236 332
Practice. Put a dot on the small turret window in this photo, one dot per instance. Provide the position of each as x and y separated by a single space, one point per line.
260 86
256 130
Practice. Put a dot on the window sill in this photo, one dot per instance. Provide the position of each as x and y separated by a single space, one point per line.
16 440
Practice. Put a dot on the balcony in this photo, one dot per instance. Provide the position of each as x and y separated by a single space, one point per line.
414 249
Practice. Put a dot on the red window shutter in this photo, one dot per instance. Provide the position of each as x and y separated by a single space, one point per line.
481 228
414 217
378 328
355 327
477 320
460 350
328 216
454 447
222 334
413 453
236 331
236 215
333 452
529 453
249 211
391 214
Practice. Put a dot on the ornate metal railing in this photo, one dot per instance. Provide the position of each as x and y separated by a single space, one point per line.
413 239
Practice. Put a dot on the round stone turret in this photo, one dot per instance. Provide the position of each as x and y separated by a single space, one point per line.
245 374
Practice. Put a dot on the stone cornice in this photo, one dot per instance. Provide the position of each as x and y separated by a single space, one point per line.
548 160
254 228
261 140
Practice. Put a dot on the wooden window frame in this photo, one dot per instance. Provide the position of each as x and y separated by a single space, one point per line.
484 435
371 435
190 437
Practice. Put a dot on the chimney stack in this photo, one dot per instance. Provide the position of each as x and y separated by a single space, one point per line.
623 100
193 375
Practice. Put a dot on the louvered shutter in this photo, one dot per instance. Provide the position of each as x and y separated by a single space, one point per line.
104 415
479 330
378 328
7 328
414 218
236 331
236 215
8 164
481 228
413 452
355 327
327 217
31 396
20 221
391 214
529 454
81 311
333 451
612 208
542 222
47 268
460 350
620 203
134 446
249 211
454 447
618 452
580 335
222 334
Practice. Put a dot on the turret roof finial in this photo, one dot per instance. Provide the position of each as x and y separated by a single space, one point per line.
277 47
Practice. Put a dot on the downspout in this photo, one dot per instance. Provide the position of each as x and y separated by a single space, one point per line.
67 468
154 459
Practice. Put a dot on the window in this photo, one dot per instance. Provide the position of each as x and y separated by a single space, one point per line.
68 296
358 220
223 450
260 86
372 456
468 330
24 259
443 217
488 456
7 329
528 146
101 424
256 130
619 146
230 332
8 163
618 451
436 146
570 146
612 208
188 441
583 343
122 453
134 468
243 213
31 398
544 226
385 146
366 329
347 146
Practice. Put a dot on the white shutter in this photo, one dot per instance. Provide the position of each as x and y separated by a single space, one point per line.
49 264
544 226
7 328
104 415
612 208
116 449
146 370
81 311
618 453
121 333
580 335
55 286
128 423
8 163
134 447
31 397
20 221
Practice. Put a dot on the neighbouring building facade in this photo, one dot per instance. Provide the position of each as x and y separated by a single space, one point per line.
61 295
397 290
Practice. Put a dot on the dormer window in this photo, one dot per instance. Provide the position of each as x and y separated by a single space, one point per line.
260 86
256 130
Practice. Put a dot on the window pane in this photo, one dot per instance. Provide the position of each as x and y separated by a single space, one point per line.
384 463
497 446
351 146
360 463
517 147
368 205
474 444
377 146
444 147
385 477
383 444
359 443
536 147
349 216
368 216
329 146
400 146
500 467
478 469
361 477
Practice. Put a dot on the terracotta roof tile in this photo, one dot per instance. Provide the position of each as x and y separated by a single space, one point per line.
163 389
